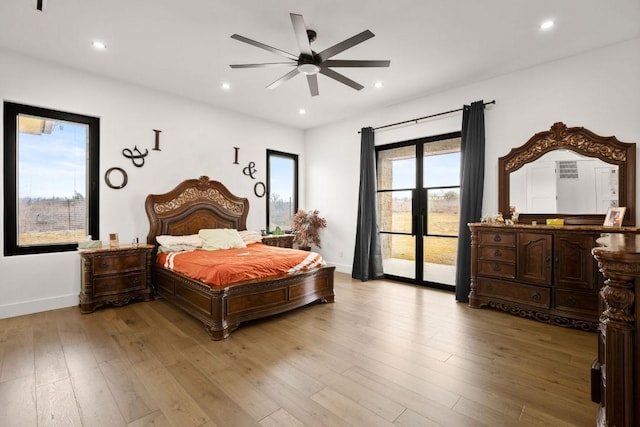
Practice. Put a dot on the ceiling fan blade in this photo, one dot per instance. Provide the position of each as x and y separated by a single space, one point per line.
344 45
354 63
341 78
312 79
301 34
264 46
291 74
266 65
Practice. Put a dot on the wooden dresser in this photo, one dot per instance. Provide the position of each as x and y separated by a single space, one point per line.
616 383
115 276
541 272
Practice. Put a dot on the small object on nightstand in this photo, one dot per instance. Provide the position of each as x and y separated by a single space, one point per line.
115 276
282 240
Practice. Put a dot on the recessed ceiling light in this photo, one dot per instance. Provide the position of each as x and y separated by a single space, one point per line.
302 111
225 86
98 45
377 85
547 25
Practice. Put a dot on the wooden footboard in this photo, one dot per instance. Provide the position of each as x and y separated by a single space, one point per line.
223 309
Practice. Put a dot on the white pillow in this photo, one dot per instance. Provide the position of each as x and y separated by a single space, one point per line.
179 243
249 237
220 238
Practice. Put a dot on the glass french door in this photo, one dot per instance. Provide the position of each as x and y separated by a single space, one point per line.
418 200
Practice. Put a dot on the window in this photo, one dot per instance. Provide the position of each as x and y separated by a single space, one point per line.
51 161
282 189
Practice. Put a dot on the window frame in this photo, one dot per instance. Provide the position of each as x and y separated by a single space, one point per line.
293 157
11 112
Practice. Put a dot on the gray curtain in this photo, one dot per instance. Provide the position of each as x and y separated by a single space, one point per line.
367 258
471 185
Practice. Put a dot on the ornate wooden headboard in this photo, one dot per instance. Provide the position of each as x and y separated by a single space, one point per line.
193 205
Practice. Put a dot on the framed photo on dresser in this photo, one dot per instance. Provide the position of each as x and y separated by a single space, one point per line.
614 217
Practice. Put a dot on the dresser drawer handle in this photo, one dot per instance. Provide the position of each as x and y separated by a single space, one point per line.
104 264
496 267
498 253
570 301
497 238
136 280
535 296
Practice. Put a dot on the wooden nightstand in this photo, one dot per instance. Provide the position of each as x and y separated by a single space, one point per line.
282 240
115 276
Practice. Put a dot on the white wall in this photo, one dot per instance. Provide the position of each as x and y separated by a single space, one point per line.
599 90
196 140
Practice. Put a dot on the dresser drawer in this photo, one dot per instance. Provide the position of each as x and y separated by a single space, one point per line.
535 296
497 253
119 263
503 270
576 301
119 283
506 238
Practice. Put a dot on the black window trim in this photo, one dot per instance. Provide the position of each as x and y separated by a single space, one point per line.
11 112
294 157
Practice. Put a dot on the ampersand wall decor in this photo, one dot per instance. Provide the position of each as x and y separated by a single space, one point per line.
250 169
136 156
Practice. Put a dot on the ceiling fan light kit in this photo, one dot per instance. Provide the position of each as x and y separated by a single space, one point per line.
309 62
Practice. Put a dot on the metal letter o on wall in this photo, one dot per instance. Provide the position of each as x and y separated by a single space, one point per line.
262 187
107 178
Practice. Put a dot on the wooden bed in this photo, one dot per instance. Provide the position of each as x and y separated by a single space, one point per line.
201 203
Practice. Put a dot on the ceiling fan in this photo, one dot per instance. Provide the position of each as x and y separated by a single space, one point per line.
309 62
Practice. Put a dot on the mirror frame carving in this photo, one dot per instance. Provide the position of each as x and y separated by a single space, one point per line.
581 141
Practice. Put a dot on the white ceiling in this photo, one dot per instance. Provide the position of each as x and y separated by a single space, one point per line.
184 47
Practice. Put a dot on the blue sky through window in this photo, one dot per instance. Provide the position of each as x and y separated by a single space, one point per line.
55 164
440 170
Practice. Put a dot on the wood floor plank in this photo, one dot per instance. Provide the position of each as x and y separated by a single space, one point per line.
49 358
18 357
18 402
232 382
57 404
347 409
154 419
281 418
96 404
211 399
131 396
176 404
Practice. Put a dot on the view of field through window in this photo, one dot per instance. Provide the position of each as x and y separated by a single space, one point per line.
282 190
52 166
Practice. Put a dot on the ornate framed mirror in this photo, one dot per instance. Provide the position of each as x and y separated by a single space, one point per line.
568 173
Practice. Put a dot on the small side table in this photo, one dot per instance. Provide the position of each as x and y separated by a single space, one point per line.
115 276
282 240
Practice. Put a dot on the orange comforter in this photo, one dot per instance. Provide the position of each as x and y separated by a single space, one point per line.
223 267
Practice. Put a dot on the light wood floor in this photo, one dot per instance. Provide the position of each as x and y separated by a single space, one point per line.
383 354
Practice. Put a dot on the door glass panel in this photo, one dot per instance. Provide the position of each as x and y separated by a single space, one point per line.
443 207
439 264
397 168
394 211
398 255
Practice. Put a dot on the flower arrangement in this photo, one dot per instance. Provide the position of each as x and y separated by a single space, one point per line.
306 226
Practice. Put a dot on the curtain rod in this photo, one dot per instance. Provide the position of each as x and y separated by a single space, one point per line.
427 117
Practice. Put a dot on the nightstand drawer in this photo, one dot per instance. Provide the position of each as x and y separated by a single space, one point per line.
118 263
119 283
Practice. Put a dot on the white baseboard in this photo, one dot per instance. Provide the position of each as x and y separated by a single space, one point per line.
342 268
37 306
